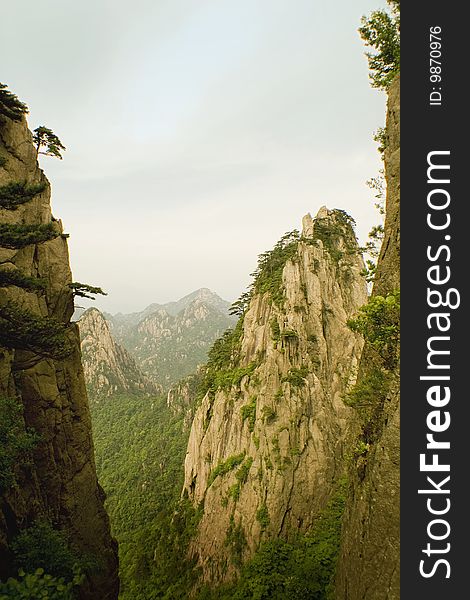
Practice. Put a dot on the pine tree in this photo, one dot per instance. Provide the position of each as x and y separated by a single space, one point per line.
14 277
10 106
16 193
16 236
84 290
47 142
20 328
381 31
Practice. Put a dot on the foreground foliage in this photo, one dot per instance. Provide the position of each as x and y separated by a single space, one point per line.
381 31
32 586
48 566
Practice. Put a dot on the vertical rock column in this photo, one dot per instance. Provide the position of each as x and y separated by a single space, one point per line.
266 448
60 482
369 565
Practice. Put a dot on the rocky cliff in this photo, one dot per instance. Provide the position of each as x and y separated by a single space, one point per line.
181 398
369 566
109 369
54 477
267 441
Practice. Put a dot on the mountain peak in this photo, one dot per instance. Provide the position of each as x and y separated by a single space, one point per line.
203 294
109 369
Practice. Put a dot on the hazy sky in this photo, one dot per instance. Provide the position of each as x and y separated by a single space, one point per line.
197 131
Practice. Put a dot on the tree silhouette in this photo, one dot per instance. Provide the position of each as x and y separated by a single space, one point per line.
47 142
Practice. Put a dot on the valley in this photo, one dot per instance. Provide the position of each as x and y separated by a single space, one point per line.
203 449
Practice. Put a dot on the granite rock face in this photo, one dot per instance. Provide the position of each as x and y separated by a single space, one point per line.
109 369
60 482
369 565
264 454
182 397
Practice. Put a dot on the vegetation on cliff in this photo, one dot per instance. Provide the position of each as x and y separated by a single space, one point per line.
381 31
141 444
303 567
47 475
10 106
140 449
16 443
48 565
223 368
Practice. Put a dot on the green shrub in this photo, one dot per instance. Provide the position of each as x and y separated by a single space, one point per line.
269 414
16 443
225 467
302 568
268 463
379 323
268 274
360 449
37 585
14 277
370 390
381 31
289 334
236 541
22 330
262 516
249 412
19 236
331 231
242 474
296 376
10 106
222 369
234 492
42 546
275 329
16 193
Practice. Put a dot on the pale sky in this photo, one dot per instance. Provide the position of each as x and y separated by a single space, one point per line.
197 131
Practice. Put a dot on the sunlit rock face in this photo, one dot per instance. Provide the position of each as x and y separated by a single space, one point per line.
109 369
265 452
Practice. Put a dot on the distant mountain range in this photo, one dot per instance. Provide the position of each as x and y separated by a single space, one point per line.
164 342
204 295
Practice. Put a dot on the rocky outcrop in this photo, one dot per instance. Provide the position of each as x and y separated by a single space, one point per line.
369 565
181 398
109 369
169 341
267 441
59 481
